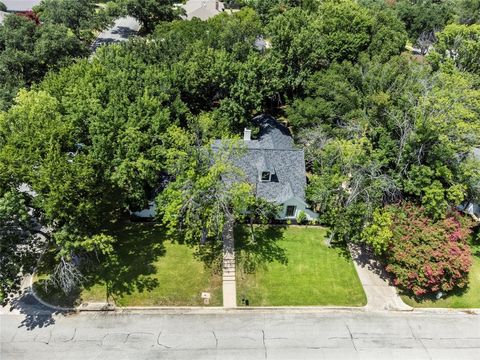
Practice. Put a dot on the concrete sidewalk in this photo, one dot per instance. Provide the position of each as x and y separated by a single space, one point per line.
375 281
229 277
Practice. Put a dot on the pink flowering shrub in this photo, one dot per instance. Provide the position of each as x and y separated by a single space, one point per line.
424 256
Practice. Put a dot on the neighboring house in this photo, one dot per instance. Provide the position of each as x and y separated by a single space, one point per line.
274 167
473 208
20 5
2 16
202 9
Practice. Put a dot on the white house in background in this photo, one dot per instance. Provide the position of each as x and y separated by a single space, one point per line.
202 9
473 208
2 16
20 5
274 167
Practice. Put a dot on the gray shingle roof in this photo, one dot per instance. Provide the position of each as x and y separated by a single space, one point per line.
273 151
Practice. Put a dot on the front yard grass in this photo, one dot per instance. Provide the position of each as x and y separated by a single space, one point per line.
314 274
152 271
468 298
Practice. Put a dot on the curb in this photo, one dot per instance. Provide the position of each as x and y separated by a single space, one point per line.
31 290
250 309
199 310
469 311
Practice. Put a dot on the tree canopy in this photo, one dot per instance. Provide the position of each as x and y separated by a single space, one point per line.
95 138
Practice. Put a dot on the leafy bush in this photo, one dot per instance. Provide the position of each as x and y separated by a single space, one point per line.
379 233
427 256
301 217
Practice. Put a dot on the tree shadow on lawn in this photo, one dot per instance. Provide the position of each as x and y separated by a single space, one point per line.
260 248
139 246
132 268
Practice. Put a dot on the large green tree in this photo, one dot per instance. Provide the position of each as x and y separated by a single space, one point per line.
379 133
80 16
151 12
306 42
458 45
19 245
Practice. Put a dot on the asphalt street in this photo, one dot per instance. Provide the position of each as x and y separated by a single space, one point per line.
241 335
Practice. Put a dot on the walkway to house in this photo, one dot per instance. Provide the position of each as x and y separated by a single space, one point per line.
375 281
229 281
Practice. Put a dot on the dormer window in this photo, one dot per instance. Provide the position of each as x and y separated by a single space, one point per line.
266 176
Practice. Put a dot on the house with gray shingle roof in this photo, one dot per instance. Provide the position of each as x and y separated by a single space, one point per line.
274 167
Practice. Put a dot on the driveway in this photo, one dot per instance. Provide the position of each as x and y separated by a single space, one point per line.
239 334
381 295
122 30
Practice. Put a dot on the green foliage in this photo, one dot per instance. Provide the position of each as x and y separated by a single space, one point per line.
99 138
340 30
458 45
17 242
151 12
3 7
379 233
468 11
82 17
204 201
425 256
424 16
301 217
379 132
29 51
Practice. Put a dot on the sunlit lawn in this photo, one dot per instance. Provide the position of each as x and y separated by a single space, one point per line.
469 298
314 274
152 271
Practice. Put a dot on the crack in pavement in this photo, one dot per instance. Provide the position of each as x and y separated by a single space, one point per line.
108 334
158 341
351 337
264 345
73 336
216 339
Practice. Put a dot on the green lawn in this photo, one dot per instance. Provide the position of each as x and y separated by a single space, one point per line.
152 271
469 298
304 270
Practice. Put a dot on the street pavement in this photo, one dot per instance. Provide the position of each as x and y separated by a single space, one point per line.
237 334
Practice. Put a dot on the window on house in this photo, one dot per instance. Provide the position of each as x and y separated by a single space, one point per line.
291 210
265 176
